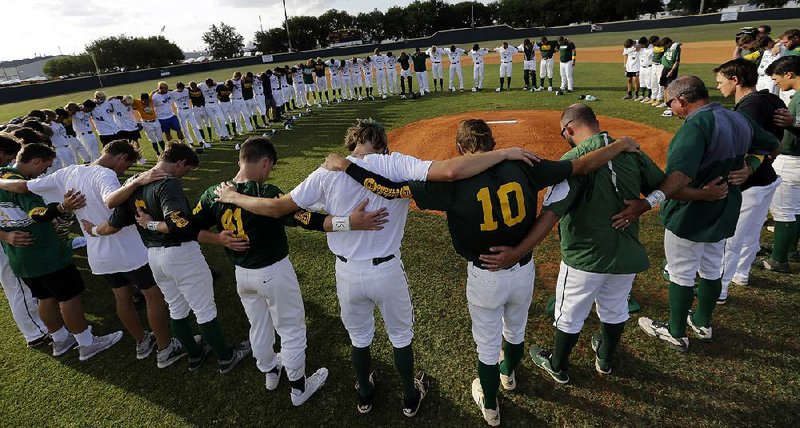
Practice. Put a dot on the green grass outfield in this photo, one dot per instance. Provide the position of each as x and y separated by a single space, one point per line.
746 377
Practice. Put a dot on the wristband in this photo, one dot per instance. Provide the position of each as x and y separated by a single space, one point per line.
655 198
94 231
152 225
341 224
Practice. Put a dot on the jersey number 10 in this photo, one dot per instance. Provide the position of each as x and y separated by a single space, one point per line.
504 194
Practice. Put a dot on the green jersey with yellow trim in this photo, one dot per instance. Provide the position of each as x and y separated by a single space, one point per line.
49 252
658 53
566 51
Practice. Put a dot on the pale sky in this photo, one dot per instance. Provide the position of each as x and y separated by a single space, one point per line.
39 27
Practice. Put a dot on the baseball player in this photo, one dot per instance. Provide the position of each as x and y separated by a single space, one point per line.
547 50
163 103
785 207
152 129
103 116
345 80
336 81
477 53
214 109
419 58
238 106
126 118
498 301
162 213
645 70
308 80
655 73
120 259
671 60
300 97
224 92
269 99
84 130
435 54
78 150
64 155
249 95
506 55
454 55
202 117
379 62
528 49
356 81
630 54
321 81
186 116
391 73
567 57
46 264
737 79
405 74
694 239
277 93
287 88
770 54
366 68
258 96
24 307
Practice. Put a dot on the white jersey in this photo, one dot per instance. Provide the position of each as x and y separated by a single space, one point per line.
378 61
340 194
181 98
454 57
163 105
646 56
274 82
345 68
209 92
258 86
236 91
355 65
103 116
767 58
521 48
506 54
367 67
333 66
436 57
391 63
60 138
120 252
297 77
124 116
632 62
477 56
81 122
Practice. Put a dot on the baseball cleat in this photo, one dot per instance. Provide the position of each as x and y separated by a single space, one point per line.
173 352
541 357
569 91
313 384
509 382
365 403
273 377
460 89
721 301
559 92
146 346
206 145
240 352
422 385
739 283
402 97
550 88
196 362
601 366
703 333
383 96
773 266
42 340
662 105
646 100
491 416
627 97
660 330
474 89
99 344
61 348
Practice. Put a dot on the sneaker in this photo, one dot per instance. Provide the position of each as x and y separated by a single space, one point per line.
365 404
273 377
313 383
422 385
739 283
660 330
146 346
99 344
173 352
196 362
773 266
491 416
722 301
703 333
667 113
240 352
42 340
601 366
541 357
627 97
662 105
61 348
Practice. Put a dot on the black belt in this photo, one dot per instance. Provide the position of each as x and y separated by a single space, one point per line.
436 62
85 132
210 102
478 63
184 108
522 262
375 262
506 62
646 66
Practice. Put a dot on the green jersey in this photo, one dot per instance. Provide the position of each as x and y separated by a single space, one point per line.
586 203
672 55
495 207
163 200
49 252
790 144
548 49
308 74
566 51
712 142
792 52
658 53
419 59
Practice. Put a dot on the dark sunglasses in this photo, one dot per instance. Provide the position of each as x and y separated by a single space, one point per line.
669 102
564 128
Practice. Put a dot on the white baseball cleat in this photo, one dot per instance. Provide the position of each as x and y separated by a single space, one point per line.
273 378
491 416
660 330
313 383
550 88
206 145
474 90
383 96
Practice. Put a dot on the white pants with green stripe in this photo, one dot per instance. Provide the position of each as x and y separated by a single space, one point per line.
578 290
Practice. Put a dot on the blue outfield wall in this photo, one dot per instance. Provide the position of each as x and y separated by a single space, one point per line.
442 38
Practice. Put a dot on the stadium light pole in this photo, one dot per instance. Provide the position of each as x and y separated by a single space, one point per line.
286 24
702 6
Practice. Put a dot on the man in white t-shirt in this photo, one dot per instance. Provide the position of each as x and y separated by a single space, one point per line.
369 272
121 259
163 100
102 112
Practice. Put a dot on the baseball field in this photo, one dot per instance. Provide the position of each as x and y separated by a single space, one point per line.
748 376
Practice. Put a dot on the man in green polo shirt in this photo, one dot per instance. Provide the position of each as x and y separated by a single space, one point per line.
790 40
670 62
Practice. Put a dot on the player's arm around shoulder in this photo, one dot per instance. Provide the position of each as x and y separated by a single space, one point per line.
597 158
462 167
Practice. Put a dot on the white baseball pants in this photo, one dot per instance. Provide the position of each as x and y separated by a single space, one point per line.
24 307
477 76
217 118
655 81
261 104
546 68
577 291
64 158
498 306
335 82
78 150
272 301
252 107
742 247
189 125
288 93
685 259
201 116
529 65
89 142
152 130
437 70
455 70
239 109
380 80
355 81
422 81
565 72
184 278
505 69
367 80
227 111
300 94
360 287
766 82
786 202
322 84
391 79
644 77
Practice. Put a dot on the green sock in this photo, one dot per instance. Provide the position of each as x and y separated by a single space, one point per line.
404 362
612 333
490 382
512 354
680 301
793 248
564 344
362 364
212 334
785 234
707 294
182 330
